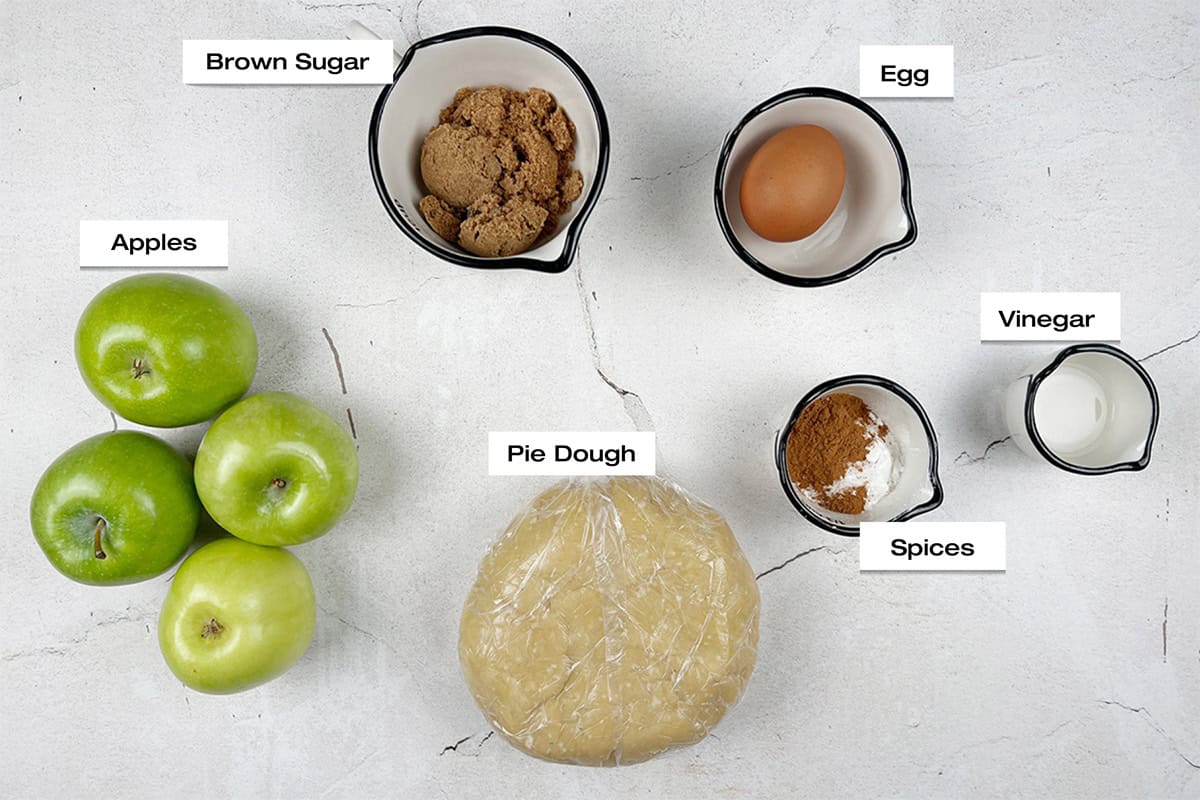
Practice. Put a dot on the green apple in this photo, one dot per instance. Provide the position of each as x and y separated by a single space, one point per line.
236 616
165 350
116 508
275 469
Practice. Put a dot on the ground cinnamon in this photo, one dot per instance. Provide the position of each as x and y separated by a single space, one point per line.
832 434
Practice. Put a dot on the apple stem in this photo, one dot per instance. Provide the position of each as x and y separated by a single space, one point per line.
100 525
279 483
139 368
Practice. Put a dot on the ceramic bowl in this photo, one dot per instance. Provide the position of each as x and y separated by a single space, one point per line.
426 78
917 489
874 216
1092 409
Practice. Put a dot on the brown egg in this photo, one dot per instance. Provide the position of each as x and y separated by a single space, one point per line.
792 183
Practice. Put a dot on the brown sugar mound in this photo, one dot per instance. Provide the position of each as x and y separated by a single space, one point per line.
498 170
501 228
440 216
457 166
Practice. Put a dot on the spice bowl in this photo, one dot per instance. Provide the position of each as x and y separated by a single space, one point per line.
874 216
915 487
426 78
1092 409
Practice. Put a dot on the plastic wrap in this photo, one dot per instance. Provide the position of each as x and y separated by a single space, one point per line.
613 619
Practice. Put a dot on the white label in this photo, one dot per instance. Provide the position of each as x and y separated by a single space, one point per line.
1050 316
886 70
931 546
577 453
287 61
153 244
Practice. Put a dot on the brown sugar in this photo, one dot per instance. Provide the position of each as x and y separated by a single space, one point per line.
831 434
498 170
502 228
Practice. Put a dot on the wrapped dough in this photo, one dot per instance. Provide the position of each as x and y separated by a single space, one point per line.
613 619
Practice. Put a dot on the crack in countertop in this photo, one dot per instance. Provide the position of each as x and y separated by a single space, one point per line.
371 636
1146 76
377 6
453 748
1142 711
392 300
635 407
796 557
970 459
1166 601
673 170
337 359
65 647
1180 343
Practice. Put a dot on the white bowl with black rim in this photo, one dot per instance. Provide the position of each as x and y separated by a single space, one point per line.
427 76
1092 409
874 216
917 488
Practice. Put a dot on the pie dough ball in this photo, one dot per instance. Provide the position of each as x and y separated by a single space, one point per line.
613 619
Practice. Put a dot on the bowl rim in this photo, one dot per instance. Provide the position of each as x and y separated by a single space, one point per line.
823 388
905 189
1035 381
573 230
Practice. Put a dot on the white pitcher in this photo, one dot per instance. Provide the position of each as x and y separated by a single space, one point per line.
1092 409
